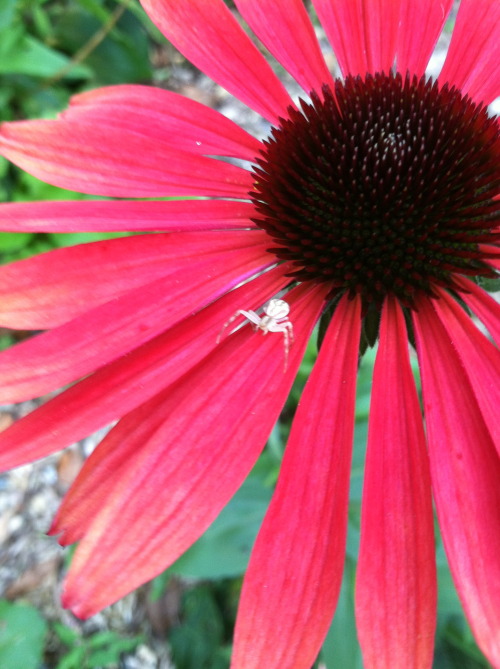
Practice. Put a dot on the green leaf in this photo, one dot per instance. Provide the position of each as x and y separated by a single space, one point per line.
7 12
60 239
341 647
41 23
96 9
14 241
119 58
74 659
196 644
109 655
103 639
22 634
490 285
448 601
67 635
28 55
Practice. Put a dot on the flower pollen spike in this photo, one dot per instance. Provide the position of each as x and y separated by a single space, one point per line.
274 319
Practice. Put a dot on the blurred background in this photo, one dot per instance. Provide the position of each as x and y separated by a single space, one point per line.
50 50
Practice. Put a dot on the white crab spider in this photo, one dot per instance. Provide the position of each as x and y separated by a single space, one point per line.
274 319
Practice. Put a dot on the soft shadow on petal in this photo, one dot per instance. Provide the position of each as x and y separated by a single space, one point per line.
465 471
396 574
183 456
293 580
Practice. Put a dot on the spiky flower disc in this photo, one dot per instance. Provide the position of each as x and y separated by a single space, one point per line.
384 186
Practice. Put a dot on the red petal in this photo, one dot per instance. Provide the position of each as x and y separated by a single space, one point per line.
164 116
102 160
483 305
396 574
480 359
293 580
465 471
125 215
181 457
115 328
52 288
362 33
420 25
124 384
283 26
210 37
474 53
91 486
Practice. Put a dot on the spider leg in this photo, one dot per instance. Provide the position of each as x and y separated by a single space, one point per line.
286 330
249 315
227 324
286 345
254 318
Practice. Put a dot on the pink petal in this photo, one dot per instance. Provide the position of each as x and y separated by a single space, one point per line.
103 160
421 23
465 471
293 580
472 60
164 116
480 359
483 305
362 33
283 26
52 288
181 458
103 334
125 215
122 385
396 574
210 37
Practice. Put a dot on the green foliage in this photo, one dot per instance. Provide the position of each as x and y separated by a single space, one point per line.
100 650
22 635
14 242
49 50
200 641
456 646
341 647
120 59
25 33
490 285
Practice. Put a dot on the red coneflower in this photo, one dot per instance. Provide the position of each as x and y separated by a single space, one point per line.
373 203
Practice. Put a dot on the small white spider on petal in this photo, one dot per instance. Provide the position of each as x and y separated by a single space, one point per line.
274 319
